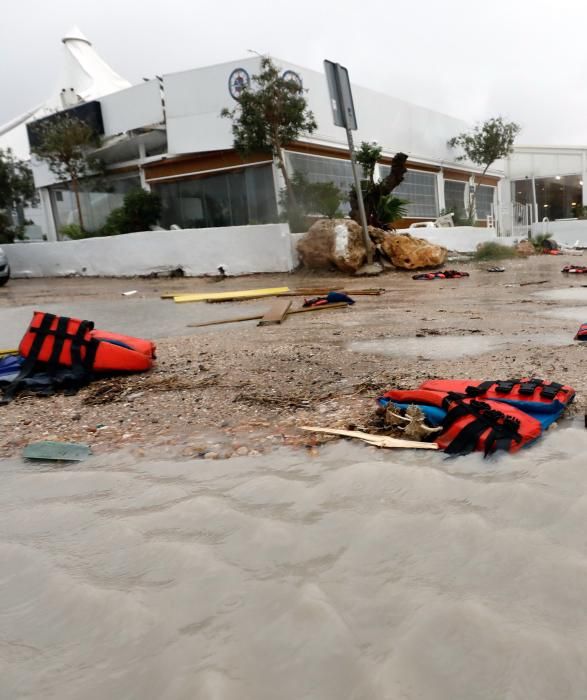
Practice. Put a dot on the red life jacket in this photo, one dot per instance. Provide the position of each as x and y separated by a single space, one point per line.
69 342
471 424
582 332
534 390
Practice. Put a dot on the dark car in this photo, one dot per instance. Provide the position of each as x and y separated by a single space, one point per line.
4 268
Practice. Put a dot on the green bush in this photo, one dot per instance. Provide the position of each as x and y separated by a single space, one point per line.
311 198
139 211
494 251
72 231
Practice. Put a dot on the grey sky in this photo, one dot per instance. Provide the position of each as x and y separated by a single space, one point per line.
523 59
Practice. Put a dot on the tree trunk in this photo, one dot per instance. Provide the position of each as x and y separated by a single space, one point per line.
75 188
473 199
291 197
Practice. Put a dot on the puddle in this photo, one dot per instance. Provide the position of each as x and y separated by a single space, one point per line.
572 313
452 346
568 294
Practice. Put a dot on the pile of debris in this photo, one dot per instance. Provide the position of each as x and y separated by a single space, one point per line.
339 243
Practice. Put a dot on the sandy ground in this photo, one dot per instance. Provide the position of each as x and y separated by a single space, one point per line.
241 387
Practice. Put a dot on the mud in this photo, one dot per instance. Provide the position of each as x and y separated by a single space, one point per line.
254 386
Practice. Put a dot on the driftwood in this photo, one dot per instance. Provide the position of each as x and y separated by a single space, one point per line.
375 440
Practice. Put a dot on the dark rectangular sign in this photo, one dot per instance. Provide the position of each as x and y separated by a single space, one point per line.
88 112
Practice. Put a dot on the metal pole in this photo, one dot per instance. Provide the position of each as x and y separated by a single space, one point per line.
360 202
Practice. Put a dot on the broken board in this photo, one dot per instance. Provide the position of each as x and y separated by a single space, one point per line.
256 317
375 440
57 451
230 296
276 313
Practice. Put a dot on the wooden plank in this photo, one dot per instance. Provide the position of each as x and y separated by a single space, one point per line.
308 291
250 293
57 451
276 313
339 305
375 440
8 352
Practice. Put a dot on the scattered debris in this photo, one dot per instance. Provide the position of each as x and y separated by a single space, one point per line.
375 440
259 316
130 293
441 275
575 269
52 451
276 313
330 298
229 296
527 284
495 269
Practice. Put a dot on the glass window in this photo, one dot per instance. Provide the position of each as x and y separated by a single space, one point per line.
320 169
235 198
483 201
96 203
454 197
420 189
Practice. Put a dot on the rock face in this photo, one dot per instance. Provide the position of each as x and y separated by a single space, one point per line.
333 242
410 253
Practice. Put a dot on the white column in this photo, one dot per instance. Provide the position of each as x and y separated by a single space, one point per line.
142 155
584 178
50 228
440 190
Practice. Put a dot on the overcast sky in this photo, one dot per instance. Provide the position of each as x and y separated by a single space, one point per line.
522 59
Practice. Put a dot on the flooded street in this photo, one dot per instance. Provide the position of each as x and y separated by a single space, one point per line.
355 574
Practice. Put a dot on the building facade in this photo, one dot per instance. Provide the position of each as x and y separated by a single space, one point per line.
167 135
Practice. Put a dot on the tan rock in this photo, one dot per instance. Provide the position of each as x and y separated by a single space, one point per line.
333 242
525 247
412 253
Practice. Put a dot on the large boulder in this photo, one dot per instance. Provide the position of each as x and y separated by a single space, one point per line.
412 253
333 242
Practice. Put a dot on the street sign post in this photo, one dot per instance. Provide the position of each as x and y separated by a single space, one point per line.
343 113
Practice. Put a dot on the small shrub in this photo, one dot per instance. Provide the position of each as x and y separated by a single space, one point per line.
72 231
140 210
494 251
539 241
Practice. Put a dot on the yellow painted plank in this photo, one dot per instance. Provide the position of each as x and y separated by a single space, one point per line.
8 352
268 292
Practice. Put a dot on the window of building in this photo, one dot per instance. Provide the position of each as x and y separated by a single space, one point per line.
484 200
420 189
454 197
320 169
234 198
559 197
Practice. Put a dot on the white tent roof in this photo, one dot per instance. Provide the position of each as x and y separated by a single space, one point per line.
84 75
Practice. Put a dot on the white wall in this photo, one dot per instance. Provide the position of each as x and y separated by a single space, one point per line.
528 161
463 239
567 232
195 98
135 107
239 249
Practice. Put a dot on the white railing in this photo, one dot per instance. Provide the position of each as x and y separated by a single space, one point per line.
513 219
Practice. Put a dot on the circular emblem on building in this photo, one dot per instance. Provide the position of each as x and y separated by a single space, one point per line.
238 81
293 76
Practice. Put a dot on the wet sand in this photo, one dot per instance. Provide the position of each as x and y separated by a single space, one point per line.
252 387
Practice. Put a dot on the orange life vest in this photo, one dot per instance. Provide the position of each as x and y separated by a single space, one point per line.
471 424
529 389
62 341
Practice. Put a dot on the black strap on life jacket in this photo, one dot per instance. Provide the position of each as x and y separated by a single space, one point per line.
45 377
504 429
527 388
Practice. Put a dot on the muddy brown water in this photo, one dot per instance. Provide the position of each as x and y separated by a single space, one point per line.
355 574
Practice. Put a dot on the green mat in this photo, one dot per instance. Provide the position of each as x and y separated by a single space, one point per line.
57 451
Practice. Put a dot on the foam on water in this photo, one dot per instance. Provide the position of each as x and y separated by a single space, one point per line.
357 574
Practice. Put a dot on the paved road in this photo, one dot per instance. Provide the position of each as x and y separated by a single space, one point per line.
144 317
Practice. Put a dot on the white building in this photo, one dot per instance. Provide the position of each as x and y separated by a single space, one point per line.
167 135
